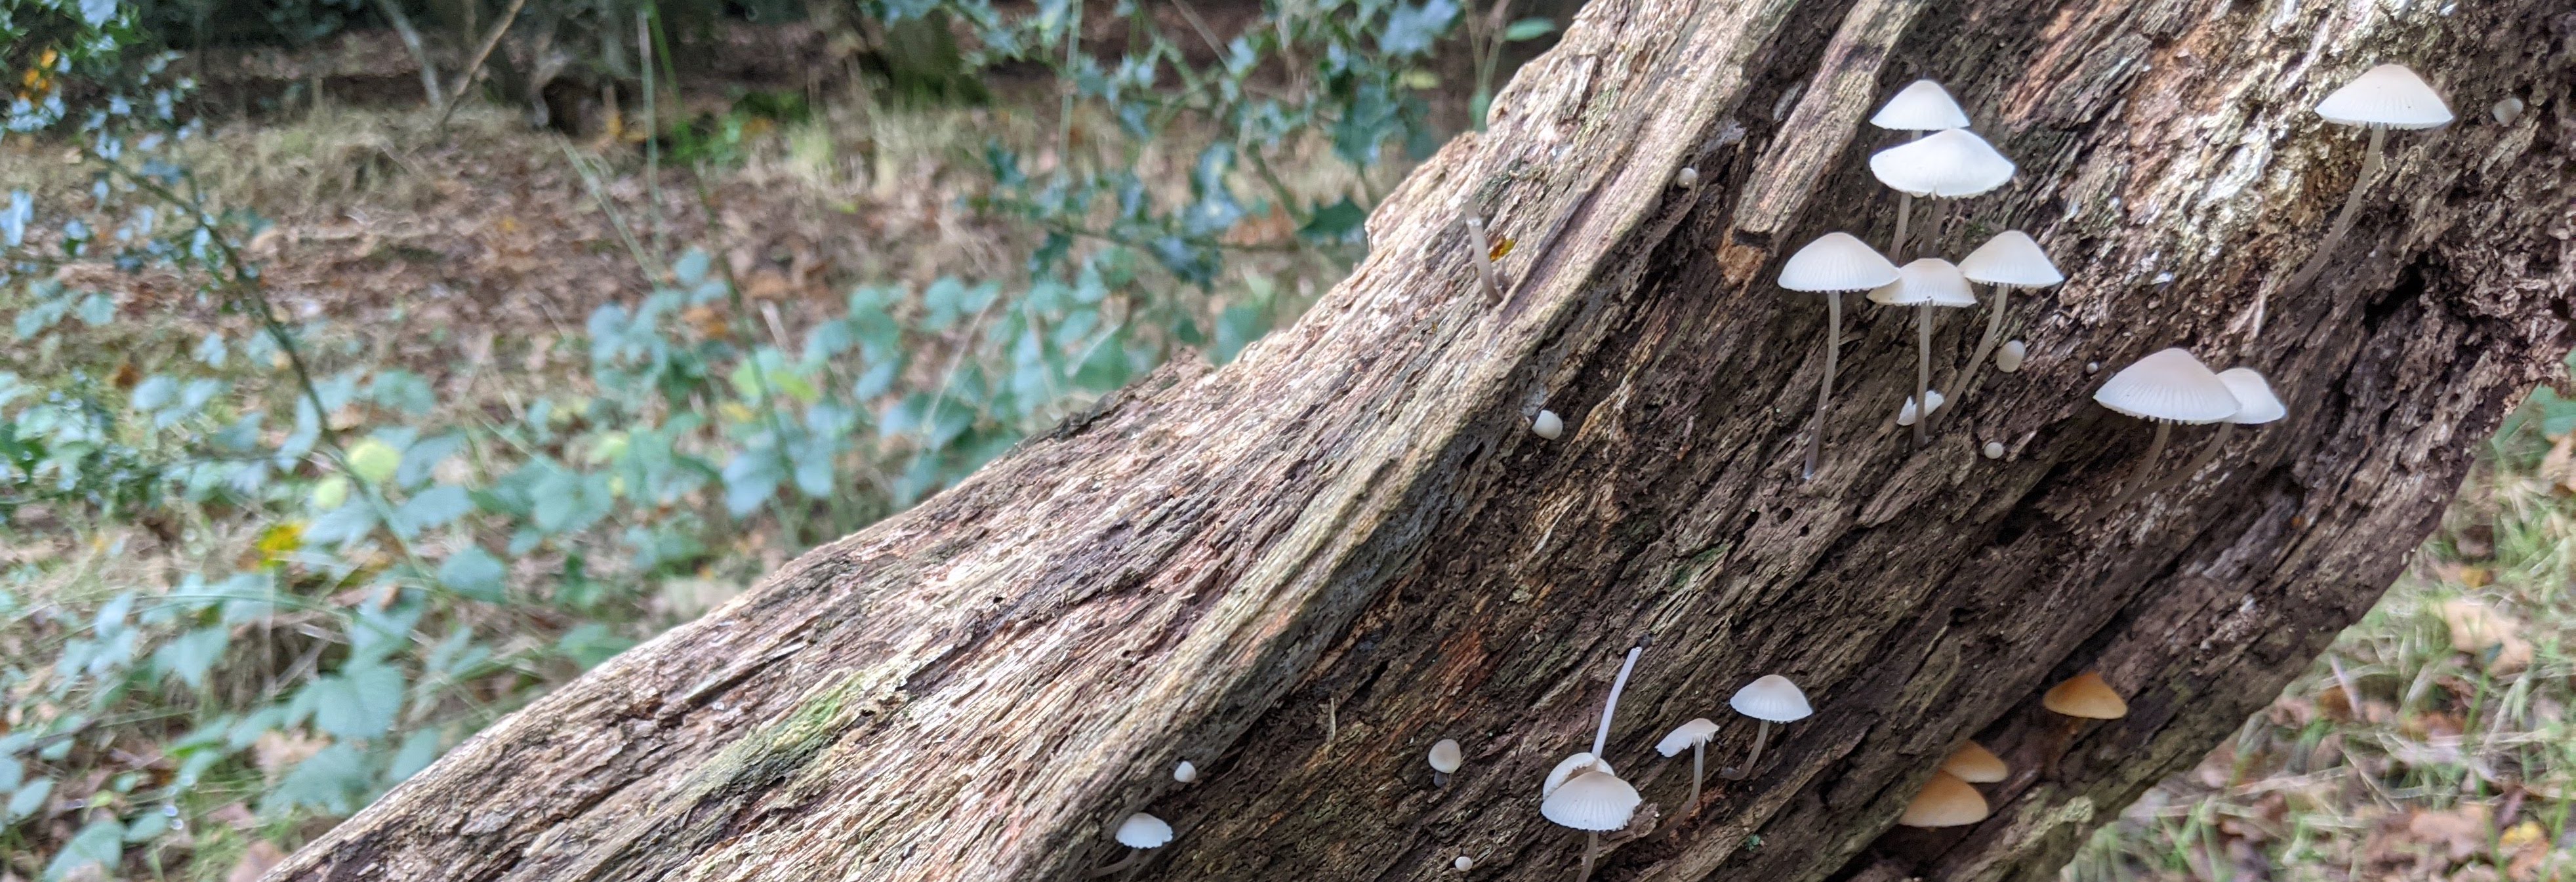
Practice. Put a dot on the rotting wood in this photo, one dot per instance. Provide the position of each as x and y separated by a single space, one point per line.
1355 516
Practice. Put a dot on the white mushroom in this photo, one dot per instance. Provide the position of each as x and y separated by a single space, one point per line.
1548 425
1924 284
1949 164
1908 415
1185 772
1445 758
1594 802
1694 735
1831 265
2385 97
2009 358
1770 698
2257 405
1922 106
2012 259
2165 388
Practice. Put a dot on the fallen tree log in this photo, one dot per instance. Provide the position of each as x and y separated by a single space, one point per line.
1300 571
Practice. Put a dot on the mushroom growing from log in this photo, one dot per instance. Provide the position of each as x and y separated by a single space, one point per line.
1583 792
1831 265
2012 259
2389 96
1945 801
1922 106
2256 406
1770 698
2166 388
1973 763
1925 284
2082 697
1693 735
1142 832
1445 759
1949 164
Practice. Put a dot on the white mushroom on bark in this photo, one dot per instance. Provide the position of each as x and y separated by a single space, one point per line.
1831 265
2165 388
2256 405
2012 259
2389 96
1922 106
1445 759
1142 832
1694 735
1949 164
1924 284
1582 792
1770 698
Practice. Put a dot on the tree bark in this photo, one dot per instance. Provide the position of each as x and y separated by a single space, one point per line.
1300 571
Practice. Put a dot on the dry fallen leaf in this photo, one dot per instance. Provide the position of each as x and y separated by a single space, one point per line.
2461 831
2476 627
2559 466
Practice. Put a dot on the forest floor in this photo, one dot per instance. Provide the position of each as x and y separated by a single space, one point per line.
2432 743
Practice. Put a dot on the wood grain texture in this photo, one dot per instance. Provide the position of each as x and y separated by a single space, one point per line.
1353 524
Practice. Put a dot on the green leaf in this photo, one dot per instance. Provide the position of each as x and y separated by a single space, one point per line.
346 524
1341 221
1528 29
360 702
101 845
1411 29
590 643
29 798
418 750
333 780
474 573
190 655
432 508
374 461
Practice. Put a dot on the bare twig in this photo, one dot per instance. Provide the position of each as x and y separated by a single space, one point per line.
465 79
411 40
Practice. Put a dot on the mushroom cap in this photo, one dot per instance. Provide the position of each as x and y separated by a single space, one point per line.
2169 387
1572 766
1905 416
1464 863
1946 164
1922 106
1185 772
1595 800
1836 262
1548 425
2013 258
1930 280
1973 763
1771 697
1142 830
2388 95
2085 695
1945 801
1687 736
1446 757
2009 358
2256 404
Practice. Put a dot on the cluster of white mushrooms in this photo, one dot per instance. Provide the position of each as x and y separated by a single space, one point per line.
1943 161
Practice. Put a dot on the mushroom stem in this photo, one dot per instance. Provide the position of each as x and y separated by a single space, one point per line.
1760 734
1134 857
1922 373
2207 455
1591 843
2370 163
1904 213
1439 778
1985 347
1601 739
2146 466
1699 769
1825 390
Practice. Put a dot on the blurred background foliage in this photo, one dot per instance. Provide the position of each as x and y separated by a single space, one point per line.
362 383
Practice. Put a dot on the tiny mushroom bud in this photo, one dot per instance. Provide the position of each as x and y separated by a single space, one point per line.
1687 177
1907 415
1770 698
2165 388
1924 284
2385 97
1185 772
1834 263
2506 111
1994 450
1945 801
1973 763
1464 863
2009 358
1445 759
1548 425
1694 735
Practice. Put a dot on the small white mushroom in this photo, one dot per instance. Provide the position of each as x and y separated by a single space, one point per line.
1922 106
2385 97
1924 284
1548 425
1994 450
1445 759
1831 265
1770 698
2165 388
2009 358
1142 832
1687 177
1907 416
2507 110
2258 405
1185 772
1694 735
1463 863
2012 259
1949 164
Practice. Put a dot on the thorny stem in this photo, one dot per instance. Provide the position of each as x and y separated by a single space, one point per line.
1922 373
2334 236
2207 455
1601 739
1825 390
2146 466
1985 347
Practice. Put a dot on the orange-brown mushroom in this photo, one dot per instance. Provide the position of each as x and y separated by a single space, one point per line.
1945 801
2086 696
1975 764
